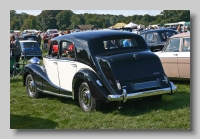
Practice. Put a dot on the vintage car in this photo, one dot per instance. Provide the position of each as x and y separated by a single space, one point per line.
175 57
30 48
89 70
157 38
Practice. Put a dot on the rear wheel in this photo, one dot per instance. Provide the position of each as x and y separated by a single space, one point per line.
31 87
86 101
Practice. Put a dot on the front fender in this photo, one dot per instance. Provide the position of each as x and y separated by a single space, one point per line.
90 77
37 73
40 77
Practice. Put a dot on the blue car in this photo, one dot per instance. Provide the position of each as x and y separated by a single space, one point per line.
30 48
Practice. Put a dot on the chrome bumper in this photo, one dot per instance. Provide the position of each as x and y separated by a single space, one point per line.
124 96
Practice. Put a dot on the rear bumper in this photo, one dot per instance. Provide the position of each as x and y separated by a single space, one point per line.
124 96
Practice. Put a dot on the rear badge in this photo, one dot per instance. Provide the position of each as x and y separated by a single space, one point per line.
156 73
118 85
134 56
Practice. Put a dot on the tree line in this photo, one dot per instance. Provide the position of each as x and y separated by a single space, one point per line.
66 19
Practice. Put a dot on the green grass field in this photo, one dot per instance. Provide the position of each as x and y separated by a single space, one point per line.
51 112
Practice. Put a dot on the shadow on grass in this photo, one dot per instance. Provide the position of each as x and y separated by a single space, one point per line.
27 122
140 106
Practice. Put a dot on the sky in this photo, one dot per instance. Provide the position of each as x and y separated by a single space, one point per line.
112 12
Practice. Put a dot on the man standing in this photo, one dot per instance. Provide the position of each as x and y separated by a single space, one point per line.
16 48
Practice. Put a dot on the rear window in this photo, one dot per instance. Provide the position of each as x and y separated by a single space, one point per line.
120 43
30 44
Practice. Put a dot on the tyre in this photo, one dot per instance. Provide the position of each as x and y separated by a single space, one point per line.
86 101
31 87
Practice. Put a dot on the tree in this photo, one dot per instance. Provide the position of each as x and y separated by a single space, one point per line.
46 19
63 19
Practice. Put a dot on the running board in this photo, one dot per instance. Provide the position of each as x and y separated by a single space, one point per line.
56 94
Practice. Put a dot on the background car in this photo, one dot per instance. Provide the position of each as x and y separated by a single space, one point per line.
30 48
175 57
157 38
28 37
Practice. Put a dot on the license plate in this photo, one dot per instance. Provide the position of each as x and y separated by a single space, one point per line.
145 85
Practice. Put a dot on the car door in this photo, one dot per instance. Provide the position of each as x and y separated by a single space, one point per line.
184 59
66 66
50 64
169 57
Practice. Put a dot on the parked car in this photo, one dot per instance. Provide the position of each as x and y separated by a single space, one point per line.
175 57
90 71
157 38
30 48
28 37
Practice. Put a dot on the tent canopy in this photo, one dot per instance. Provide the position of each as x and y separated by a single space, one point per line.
119 25
131 24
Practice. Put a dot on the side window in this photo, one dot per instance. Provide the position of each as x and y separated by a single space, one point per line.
186 45
173 45
143 35
67 50
149 37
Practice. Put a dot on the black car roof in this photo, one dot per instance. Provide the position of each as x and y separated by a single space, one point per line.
158 30
87 35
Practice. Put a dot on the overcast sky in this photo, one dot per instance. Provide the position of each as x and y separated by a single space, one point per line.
112 12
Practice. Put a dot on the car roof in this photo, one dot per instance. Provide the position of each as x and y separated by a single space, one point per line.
88 35
185 34
158 30
27 41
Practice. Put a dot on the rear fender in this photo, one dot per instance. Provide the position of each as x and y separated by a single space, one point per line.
98 92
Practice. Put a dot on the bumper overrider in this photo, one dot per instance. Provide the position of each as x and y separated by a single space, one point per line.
124 96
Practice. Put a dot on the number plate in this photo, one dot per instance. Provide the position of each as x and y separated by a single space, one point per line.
145 85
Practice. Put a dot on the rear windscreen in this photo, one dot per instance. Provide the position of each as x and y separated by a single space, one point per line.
30 44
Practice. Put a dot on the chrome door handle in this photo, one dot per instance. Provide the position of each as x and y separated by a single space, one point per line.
74 65
175 54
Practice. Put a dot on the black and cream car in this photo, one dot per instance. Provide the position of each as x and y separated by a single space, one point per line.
98 66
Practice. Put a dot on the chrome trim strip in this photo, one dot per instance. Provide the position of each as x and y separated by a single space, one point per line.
51 93
123 97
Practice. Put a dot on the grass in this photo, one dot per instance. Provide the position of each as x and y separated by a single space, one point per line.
51 112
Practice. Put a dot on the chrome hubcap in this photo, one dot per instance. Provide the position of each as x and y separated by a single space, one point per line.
31 87
86 97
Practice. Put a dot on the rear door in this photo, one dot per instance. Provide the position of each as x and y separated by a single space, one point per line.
67 66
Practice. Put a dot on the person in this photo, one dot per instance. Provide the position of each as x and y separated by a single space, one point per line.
60 33
67 32
16 48
45 41
179 29
186 45
39 39
187 28
127 43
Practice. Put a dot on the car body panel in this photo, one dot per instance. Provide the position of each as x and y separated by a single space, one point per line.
176 64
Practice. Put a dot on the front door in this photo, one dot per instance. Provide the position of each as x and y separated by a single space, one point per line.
169 58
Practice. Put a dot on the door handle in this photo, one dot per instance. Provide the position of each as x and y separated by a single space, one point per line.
74 65
175 54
